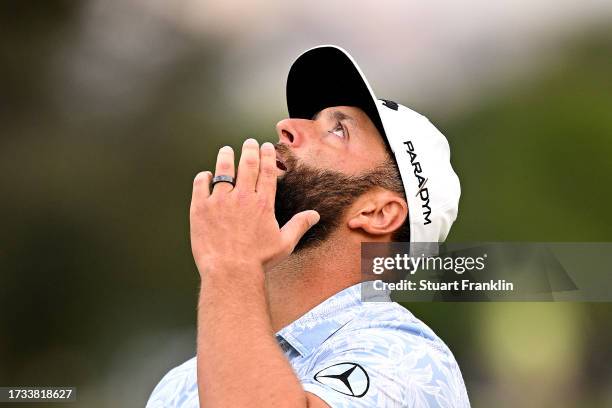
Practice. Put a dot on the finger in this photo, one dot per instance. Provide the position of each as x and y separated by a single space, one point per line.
224 167
297 226
248 168
201 185
266 182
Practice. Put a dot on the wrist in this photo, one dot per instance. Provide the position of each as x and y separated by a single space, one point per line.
230 269
224 282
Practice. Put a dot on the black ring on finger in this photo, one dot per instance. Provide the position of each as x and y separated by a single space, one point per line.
224 179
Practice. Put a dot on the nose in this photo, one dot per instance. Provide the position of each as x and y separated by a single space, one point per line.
293 132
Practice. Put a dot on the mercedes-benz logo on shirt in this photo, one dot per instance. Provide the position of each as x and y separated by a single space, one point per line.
346 378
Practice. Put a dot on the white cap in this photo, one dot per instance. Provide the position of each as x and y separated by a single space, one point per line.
327 76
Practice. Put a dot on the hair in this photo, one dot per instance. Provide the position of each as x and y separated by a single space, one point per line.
335 192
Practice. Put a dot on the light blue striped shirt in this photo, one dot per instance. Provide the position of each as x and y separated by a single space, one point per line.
352 353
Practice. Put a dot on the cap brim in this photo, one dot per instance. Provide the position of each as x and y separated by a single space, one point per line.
328 76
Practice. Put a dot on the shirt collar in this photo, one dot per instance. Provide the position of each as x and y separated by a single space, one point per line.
308 332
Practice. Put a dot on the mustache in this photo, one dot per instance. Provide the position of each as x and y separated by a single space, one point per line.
289 160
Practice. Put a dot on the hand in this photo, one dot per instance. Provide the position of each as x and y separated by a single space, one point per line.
237 225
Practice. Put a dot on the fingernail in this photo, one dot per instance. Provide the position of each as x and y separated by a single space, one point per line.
226 149
315 218
268 146
251 141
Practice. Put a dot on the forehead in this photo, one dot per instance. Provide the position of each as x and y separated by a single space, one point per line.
349 113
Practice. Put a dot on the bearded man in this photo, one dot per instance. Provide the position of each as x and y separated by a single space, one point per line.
281 322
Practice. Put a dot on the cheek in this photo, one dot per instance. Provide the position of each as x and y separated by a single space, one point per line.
326 159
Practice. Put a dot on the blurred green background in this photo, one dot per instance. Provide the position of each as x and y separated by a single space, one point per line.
109 108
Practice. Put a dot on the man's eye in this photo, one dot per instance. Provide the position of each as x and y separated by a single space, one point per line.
338 130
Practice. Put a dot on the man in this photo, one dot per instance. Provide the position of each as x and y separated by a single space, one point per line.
281 322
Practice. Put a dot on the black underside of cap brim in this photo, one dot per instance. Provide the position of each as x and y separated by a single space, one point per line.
325 77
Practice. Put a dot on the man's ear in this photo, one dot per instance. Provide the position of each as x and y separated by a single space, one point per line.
378 212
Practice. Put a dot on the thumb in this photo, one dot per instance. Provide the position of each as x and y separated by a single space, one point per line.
297 226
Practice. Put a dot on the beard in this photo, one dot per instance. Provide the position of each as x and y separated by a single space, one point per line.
329 192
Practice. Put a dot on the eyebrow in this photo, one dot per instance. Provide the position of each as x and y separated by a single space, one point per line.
337 115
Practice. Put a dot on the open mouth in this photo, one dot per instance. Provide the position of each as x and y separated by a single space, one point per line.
280 165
